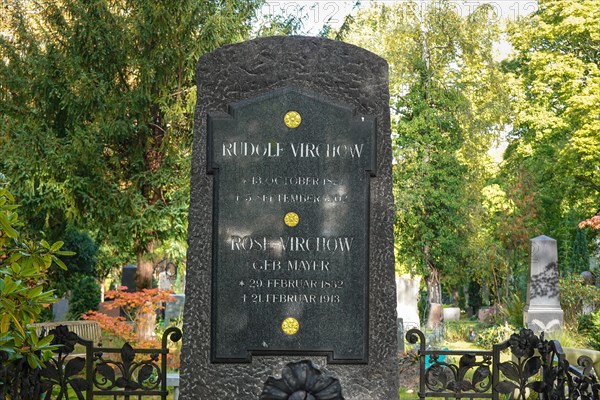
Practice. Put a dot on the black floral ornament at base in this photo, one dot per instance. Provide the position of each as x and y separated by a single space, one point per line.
302 381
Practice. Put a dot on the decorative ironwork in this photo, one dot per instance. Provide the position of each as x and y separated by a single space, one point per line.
302 381
138 372
537 365
585 385
62 370
443 376
471 376
18 381
126 374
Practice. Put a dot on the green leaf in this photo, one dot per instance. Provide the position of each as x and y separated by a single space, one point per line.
9 286
33 361
45 341
6 227
66 253
59 262
56 246
35 292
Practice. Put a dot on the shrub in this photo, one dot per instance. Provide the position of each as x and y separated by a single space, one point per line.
512 310
138 307
589 325
82 264
575 295
494 334
458 331
24 267
85 296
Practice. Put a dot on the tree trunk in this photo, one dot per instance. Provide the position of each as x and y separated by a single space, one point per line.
434 291
145 267
101 284
145 322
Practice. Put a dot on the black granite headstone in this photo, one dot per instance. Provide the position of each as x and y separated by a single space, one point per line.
128 277
290 227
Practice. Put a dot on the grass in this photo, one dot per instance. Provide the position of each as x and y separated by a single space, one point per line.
408 394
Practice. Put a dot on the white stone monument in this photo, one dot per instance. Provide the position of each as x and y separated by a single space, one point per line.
407 299
542 310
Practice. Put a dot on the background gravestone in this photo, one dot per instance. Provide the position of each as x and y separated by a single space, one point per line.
174 309
128 277
290 225
542 311
407 300
60 309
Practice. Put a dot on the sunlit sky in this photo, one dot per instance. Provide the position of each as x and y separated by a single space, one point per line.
318 13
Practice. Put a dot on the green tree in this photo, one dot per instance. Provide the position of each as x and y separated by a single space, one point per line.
579 260
96 114
85 297
448 105
555 138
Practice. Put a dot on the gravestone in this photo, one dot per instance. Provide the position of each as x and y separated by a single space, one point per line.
451 314
542 310
60 309
174 309
400 335
407 300
128 277
588 279
290 260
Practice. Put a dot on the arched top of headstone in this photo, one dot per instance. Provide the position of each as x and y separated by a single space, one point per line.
289 44
543 238
340 71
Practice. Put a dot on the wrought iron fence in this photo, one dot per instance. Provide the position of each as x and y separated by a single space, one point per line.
124 373
533 365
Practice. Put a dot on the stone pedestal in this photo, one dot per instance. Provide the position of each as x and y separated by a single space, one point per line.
451 314
542 311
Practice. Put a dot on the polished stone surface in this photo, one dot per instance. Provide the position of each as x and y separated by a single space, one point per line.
290 228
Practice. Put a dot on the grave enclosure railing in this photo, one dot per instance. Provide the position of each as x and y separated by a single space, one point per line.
531 364
123 373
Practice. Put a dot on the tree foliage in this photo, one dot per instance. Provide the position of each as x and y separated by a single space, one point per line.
555 138
136 306
448 104
96 113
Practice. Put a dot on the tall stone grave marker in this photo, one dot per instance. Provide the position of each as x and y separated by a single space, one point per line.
290 225
407 298
542 310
